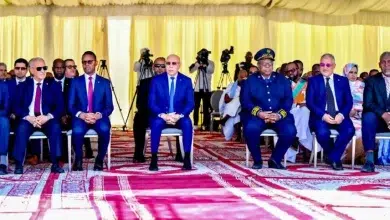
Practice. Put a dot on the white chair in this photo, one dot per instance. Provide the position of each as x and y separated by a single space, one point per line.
266 133
90 134
333 134
214 102
172 132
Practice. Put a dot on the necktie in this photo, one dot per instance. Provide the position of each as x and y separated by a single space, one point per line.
90 95
37 101
171 95
331 107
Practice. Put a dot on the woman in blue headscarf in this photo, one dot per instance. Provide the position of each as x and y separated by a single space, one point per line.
357 87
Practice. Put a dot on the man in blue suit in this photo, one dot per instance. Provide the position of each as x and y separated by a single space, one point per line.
376 109
38 106
329 100
90 105
266 100
171 101
4 126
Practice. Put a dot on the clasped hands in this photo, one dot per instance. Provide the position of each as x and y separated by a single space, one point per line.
170 118
38 121
269 117
386 117
90 118
333 120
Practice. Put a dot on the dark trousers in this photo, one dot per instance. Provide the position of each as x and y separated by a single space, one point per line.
371 124
23 132
4 135
141 123
80 128
205 97
158 124
334 150
254 126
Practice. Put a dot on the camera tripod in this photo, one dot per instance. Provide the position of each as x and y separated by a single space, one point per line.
103 71
225 78
147 67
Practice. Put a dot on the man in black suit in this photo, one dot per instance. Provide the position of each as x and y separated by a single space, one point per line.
244 65
141 118
59 76
376 109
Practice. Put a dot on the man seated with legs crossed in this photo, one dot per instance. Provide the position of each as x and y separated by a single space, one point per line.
171 100
329 100
90 104
39 107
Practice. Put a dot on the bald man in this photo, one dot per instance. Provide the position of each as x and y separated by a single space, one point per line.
171 101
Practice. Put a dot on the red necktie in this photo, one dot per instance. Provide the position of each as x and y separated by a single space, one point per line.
37 101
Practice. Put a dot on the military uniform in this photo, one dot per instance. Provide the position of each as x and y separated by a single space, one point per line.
267 94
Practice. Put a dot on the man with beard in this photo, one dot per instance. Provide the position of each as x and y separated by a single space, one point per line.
376 109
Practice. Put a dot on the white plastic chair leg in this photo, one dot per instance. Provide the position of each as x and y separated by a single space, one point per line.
146 142
315 152
353 151
70 152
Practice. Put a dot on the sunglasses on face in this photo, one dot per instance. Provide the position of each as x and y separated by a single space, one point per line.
171 63
20 68
159 65
253 72
291 71
71 67
40 68
87 62
325 64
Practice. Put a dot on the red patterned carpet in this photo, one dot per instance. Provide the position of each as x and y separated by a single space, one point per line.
220 187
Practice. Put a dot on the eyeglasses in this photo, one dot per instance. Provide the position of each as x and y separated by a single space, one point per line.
171 63
71 67
267 65
160 65
87 62
20 68
40 68
250 73
291 71
326 64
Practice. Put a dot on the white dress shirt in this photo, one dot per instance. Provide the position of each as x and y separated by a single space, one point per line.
169 82
86 86
62 82
19 80
331 84
31 107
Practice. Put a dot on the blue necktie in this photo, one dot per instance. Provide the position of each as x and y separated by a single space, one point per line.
171 95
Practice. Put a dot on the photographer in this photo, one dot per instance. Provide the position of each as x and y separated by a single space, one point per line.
205 69
143 66
244 65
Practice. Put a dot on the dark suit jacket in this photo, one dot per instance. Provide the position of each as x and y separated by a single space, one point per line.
143 96
52 100
102 96
159 95
316 96
5 104
375 95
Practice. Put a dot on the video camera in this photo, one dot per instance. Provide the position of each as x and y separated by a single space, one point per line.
225 57
146 56
203 57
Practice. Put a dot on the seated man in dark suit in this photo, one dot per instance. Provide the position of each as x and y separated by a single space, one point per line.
39 106
4 126
329 99
376 109
171 100
90 104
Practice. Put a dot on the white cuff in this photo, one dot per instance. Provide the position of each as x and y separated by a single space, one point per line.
78 113
50 116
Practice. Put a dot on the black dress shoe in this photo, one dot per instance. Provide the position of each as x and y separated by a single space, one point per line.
187 162
179 158
3 169
18 169
55 168
337 165
139 159
275 165
77 165
368 167
89 155
257 166
153 164
98 165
